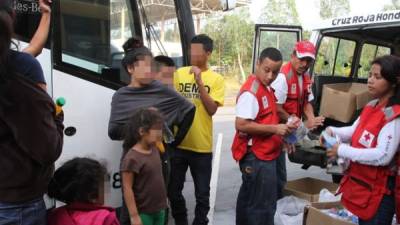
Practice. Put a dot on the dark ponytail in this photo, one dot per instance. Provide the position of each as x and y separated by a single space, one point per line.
390 70
6 28
134 51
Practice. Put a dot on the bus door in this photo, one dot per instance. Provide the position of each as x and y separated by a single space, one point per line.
87 50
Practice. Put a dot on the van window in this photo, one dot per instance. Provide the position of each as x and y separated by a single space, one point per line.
334 57
368 53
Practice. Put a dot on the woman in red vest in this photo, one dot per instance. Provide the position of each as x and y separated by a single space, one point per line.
368 187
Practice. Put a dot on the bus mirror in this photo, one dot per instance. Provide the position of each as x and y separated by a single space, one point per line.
228 4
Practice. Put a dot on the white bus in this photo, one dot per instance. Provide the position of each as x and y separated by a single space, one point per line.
82 62
345 48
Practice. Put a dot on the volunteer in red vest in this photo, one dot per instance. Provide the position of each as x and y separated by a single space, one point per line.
368 185
258 142
293 92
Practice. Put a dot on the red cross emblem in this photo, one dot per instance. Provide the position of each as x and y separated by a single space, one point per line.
367 137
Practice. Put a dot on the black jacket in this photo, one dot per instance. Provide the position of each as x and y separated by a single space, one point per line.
31 139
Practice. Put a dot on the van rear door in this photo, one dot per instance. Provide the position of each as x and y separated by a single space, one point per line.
282 37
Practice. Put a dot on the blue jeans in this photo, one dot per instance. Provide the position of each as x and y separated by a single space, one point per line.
200 165
27 213
281 173
256 202
386 210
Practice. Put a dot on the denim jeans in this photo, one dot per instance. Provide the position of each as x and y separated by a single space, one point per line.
281 174
200 165
256 202
27 213
386 210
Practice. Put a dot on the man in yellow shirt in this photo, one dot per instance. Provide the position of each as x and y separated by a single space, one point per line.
205 89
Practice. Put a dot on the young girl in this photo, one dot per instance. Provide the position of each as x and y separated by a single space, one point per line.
368 185
80 184
142 180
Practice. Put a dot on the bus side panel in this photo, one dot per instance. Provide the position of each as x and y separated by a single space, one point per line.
87 109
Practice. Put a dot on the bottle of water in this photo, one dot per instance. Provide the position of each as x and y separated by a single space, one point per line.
297 134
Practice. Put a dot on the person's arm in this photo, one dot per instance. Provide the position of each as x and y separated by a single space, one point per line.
312 121
37 129
39 39
344 133
184 127
283 115
129 197
252 128
280 90
246 111
387 145
115 129
208 102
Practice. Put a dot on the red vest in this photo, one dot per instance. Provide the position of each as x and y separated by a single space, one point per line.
264 147
363 186
295 100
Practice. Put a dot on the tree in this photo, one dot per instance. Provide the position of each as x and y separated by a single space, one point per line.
280 12
233 41
333 8
394 6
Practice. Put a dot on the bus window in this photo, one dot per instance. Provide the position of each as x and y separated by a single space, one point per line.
368 53
91 35
27 18
162 29
334 57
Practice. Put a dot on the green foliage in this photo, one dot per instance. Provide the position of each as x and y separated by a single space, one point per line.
394 6
233 41
333 8
280 12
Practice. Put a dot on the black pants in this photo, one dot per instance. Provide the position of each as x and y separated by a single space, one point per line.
200 165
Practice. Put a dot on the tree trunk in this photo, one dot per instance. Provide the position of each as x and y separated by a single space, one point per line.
242 73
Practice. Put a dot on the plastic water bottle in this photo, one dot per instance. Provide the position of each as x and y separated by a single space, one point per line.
297 134
60 102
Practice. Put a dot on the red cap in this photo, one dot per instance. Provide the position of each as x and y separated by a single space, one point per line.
304 49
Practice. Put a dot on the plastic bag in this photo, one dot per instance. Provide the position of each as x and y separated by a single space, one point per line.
326 196
289 211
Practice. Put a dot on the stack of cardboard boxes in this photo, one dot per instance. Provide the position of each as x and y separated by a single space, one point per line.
309 189
341 101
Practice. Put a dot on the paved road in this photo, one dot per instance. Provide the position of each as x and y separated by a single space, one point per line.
229 176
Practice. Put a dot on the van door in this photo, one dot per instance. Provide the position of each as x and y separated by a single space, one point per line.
282 37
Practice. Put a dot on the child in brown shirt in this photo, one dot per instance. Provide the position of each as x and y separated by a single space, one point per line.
142 180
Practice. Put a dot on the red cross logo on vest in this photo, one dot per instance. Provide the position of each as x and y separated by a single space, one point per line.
366 139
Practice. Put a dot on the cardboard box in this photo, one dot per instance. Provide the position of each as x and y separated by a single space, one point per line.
308 188
341 101
314 216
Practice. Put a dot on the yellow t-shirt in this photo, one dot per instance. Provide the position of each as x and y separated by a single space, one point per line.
199 136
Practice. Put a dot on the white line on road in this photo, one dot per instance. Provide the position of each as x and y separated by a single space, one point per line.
214 178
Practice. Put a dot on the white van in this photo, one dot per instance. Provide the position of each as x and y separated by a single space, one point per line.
345 48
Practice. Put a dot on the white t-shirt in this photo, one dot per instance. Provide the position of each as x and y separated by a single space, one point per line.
281 89
387 144
247 106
